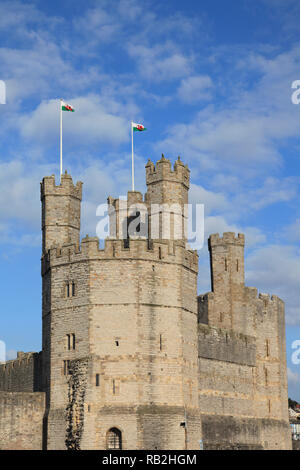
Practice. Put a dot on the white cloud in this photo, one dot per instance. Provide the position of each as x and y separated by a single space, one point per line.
97 25
95 120
160 62
11 354
276 269
211 200
195 88
292 232
293 377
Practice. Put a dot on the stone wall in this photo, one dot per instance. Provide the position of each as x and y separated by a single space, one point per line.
23 374
226 345
21 420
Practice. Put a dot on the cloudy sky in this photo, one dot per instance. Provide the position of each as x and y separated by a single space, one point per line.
211 81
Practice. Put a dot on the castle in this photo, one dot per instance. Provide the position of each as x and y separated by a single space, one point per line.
132 357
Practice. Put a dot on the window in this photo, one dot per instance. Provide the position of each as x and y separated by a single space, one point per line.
114 439
225 264
267 348
71 341
70 289
97 380
66 367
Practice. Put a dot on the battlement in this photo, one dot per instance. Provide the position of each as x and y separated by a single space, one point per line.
65 188
163 171
23 374
171 252
228 238
21 357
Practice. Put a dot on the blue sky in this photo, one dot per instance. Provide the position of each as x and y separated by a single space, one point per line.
211 81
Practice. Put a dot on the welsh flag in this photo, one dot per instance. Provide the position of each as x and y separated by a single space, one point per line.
67 107
138 127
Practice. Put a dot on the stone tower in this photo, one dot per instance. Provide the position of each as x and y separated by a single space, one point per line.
60 211
228 280
131 357
120 324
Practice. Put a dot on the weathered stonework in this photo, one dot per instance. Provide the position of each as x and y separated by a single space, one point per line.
129 347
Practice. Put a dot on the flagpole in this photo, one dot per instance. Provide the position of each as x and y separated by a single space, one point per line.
61 163
132 159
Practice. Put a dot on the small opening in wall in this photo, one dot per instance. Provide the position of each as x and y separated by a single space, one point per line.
68 290
266 376
160 342
182 424
114 387
73 341
159 252
117 343
66 367
225 264
267 348
73 289
237 264
97 380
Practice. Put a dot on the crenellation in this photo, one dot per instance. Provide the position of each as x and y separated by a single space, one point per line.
66 187
163 171
228 238
131 352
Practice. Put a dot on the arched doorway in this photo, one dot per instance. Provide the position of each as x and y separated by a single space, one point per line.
114 439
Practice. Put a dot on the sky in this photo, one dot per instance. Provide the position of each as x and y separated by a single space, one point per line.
211 81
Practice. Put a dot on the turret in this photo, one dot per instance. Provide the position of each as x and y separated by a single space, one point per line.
60 211
167 197
225 307
227 262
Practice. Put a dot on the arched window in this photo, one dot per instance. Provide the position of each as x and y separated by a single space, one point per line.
114 439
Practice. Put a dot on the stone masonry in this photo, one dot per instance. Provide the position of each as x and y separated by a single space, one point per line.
131 356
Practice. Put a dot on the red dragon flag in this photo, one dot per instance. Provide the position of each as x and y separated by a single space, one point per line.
66 107
138 127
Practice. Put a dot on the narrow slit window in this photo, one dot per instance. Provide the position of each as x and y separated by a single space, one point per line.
73 289
66 367
225 264
73 341
266 376
68 342
114 387
267 348
97 380
159 252
160 342
68 290
237 264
